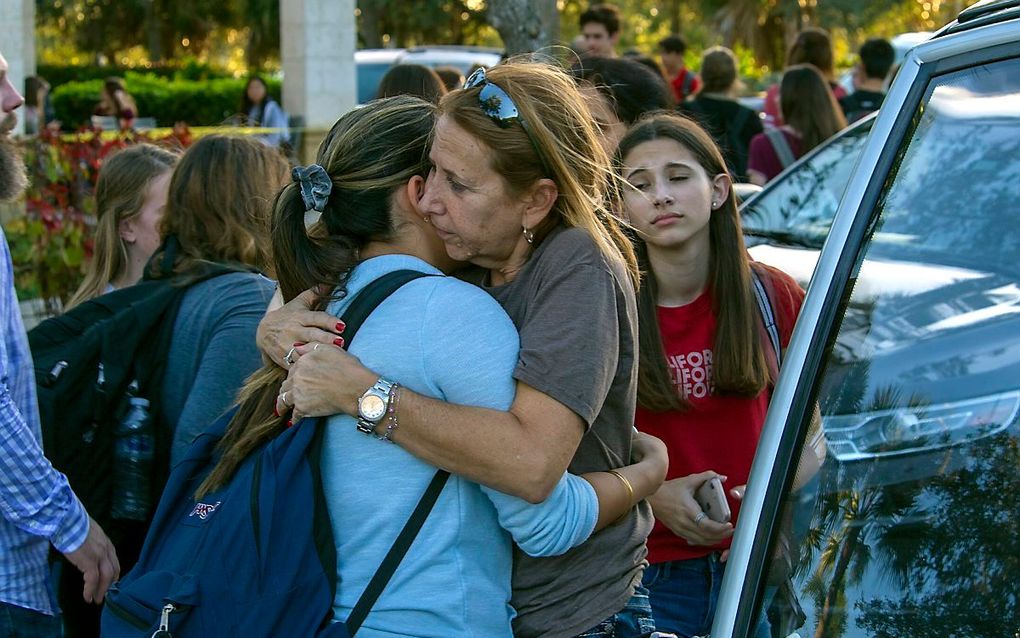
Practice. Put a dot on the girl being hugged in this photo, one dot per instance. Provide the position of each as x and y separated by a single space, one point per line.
706 363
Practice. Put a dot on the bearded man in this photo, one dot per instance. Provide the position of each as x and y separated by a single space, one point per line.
37 505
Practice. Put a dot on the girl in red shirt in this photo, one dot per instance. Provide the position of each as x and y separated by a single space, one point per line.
706 365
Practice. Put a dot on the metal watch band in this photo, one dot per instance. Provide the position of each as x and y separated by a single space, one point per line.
383 389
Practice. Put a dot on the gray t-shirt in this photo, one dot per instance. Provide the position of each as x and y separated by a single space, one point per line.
577 318
212 351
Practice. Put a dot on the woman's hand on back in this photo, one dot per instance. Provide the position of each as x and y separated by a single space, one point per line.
674 505
324 380
295 323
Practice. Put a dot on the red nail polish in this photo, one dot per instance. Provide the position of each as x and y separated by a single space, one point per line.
276 412
338 342
298 343
290 423
340 326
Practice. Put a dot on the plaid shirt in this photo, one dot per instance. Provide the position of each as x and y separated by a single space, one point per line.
38 506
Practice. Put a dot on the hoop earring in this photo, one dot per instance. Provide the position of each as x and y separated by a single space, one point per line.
529 236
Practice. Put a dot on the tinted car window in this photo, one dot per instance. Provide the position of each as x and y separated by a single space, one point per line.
909 528
800 205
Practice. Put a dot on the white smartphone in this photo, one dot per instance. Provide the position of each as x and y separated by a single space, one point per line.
712 499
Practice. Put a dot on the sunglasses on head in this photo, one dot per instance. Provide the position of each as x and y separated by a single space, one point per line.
499 106
494 101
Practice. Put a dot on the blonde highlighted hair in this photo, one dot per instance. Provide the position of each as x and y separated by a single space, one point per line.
123 184
562 146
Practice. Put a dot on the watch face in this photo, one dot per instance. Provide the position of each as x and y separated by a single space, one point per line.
372 407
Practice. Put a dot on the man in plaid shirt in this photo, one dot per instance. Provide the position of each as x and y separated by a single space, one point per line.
37 504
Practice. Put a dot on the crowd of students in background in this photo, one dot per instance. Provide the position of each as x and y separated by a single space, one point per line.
803 109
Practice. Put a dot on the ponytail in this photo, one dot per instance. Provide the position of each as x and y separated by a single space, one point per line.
367 155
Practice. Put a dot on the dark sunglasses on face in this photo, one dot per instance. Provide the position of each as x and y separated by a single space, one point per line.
499 106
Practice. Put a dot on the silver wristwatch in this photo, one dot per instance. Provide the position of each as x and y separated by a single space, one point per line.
372 405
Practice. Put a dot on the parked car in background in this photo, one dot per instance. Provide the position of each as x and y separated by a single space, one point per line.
903 374
372 64
786 222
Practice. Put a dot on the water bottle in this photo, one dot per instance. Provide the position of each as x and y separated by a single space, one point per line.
133 452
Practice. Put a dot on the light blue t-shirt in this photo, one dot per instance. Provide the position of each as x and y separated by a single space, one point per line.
447 339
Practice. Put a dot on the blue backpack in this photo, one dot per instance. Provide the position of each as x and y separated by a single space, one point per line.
255 558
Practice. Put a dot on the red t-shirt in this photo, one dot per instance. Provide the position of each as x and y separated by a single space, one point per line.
691 79
718 433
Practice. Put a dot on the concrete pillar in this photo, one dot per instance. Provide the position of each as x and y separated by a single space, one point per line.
17 42
317 43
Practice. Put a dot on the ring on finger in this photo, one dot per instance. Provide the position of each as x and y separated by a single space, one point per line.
290 356
316 347
283 398
700 517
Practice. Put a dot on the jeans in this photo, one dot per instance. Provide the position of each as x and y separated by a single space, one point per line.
18 622
684 594
634 620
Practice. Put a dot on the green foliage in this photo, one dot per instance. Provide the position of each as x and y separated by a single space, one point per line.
197 102
189 69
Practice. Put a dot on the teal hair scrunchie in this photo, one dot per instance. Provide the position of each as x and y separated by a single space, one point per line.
315 186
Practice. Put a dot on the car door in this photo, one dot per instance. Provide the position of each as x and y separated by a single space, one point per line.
884 497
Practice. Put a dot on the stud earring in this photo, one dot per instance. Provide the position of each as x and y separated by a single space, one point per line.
529 236
428 219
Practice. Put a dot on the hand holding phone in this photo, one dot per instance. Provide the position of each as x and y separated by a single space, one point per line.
712 499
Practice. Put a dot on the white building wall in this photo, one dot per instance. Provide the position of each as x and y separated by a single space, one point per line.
317 43
17 41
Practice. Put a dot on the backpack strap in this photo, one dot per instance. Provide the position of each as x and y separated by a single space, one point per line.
355 314
397 552
780 146
768 319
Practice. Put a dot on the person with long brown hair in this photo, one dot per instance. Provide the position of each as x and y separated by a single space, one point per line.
519 188
705 368
130 196
812 116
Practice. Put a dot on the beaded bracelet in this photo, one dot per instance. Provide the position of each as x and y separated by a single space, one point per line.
391 413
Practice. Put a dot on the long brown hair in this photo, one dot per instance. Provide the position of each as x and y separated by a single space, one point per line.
739 364
563 147
120 194
368 154
812 46
808 106
218 207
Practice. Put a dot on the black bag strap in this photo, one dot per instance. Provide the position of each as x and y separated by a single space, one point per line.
397 552
360 308
371 296
354 316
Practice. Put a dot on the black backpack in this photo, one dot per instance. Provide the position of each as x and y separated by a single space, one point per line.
85 362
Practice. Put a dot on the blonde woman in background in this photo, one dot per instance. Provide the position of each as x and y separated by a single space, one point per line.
130 197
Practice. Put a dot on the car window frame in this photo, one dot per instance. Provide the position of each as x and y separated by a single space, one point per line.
779 180
785 426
